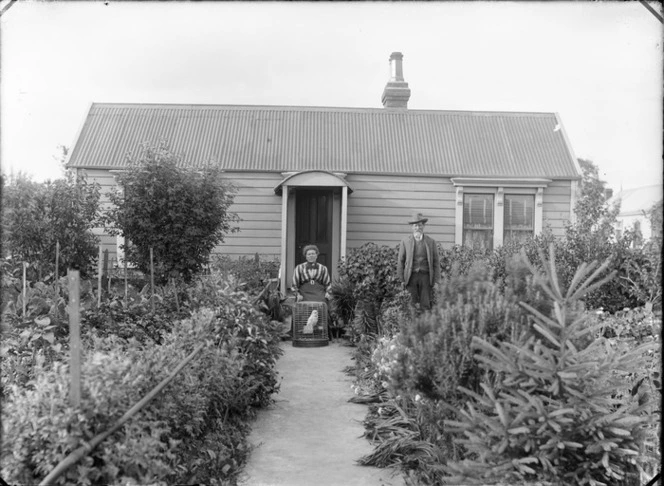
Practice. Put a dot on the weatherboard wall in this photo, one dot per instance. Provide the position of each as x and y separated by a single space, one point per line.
379 209
106 181
557 206
381 206
259 210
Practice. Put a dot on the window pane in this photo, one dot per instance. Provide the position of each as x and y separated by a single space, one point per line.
478 221
478 211
519 217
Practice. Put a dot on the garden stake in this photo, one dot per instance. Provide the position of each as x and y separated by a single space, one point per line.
82 451
99 262
125 269
113 266
74 338
57 259
105 270
25 266
152 278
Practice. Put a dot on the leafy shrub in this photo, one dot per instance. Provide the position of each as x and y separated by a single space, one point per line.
580 247
638 278
195 429
181 214
394 313
36 216
115 318
251 274
458 259
370 270
342 300
641 274
257 338
367 279
422 366
39 335
553 404
632 324
106 395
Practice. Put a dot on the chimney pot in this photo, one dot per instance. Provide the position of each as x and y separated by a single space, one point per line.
396 93
396 67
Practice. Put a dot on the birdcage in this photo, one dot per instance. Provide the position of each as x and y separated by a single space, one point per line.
315 335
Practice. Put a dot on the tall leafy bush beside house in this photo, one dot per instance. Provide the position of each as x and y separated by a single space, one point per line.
555 403
182 214
369 271
38 216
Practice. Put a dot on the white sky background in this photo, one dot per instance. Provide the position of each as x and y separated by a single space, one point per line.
598 64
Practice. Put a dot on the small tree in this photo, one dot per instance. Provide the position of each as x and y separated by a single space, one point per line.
655 216
559 407
592 211
592 237
182 214
23 218
37 216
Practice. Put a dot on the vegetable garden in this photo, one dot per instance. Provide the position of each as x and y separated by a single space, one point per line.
193 432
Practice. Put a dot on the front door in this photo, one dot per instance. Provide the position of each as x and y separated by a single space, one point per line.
313 224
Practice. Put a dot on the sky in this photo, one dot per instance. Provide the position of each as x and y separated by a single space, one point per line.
597 64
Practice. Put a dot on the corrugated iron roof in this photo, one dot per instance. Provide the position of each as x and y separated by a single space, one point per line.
351 140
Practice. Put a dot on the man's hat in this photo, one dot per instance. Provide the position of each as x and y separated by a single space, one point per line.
418 218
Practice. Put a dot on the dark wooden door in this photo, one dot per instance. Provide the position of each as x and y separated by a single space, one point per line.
313 224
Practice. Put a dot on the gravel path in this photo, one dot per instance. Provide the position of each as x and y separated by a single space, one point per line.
312 435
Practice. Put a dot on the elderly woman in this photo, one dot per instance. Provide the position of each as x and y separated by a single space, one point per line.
311 280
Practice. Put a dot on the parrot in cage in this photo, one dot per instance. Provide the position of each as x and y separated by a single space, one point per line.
311 322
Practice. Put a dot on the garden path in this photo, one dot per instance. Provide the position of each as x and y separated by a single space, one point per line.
312 435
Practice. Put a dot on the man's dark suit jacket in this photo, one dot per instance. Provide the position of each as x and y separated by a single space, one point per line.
405 260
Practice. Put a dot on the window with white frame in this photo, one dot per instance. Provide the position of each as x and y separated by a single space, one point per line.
519 217
478 221
490 212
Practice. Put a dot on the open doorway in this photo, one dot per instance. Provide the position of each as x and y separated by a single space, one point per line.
313 224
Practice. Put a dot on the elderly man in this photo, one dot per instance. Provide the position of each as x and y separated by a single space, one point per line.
418 265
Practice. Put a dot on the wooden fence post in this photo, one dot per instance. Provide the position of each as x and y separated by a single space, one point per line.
111 266
57 260
74 338
87 447
99 270
152 278
105 267
25 292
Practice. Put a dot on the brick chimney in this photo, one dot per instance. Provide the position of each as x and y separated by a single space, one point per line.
396 93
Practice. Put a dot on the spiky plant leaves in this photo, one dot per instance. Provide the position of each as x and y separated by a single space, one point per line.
558 408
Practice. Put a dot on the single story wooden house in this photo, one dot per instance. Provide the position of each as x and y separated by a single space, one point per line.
341 177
